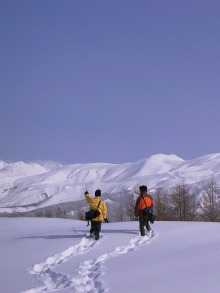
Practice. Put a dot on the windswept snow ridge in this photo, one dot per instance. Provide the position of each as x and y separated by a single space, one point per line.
87 278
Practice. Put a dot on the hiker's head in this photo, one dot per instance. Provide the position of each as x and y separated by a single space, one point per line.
98 192
143 188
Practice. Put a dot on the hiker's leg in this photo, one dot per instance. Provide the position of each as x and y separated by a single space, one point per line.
92 227
148 225
99 226
142 223
97 229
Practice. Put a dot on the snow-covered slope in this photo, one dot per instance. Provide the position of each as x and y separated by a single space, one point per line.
54 255
23 184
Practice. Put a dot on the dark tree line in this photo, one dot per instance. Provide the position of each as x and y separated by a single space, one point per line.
58 213
178 203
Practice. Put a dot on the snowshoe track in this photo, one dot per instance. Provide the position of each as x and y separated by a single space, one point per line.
87 278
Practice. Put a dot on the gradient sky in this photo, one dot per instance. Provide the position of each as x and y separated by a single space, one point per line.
109 81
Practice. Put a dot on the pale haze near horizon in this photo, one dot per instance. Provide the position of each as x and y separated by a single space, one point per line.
109 81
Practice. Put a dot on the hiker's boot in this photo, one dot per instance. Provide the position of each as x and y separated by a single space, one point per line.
96 236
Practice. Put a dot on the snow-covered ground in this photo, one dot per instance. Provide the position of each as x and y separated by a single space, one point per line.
54 255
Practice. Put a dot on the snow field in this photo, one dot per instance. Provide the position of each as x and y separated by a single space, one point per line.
54 255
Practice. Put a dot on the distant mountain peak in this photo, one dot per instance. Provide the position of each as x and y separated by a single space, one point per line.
48 183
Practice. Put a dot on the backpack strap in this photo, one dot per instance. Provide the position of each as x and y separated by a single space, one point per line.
145 202
99 204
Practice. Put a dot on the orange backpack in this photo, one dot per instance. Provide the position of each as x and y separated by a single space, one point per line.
145 202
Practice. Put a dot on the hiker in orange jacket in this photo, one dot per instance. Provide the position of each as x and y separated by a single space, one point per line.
143 201
97 203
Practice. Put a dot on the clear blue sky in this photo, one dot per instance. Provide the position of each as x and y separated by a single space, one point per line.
109 81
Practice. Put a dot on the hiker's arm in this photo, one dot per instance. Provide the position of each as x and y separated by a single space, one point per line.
104 211
88 198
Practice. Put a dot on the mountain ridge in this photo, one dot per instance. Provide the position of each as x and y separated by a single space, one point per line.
48 183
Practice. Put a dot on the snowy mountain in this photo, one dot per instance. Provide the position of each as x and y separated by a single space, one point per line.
27 185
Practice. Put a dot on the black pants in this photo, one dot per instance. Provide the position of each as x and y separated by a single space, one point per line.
95 228
144 222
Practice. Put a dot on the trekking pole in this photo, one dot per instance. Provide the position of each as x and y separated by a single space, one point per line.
74 231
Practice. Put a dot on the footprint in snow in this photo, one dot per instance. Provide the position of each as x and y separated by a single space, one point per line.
88 278
52 279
